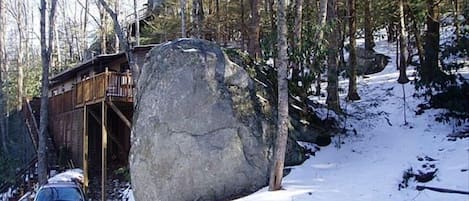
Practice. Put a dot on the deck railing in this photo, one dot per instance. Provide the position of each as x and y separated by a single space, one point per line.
104 85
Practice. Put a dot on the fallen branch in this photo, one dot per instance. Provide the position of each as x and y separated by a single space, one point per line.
441 190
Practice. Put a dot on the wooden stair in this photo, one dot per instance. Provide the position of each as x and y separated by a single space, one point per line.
31 112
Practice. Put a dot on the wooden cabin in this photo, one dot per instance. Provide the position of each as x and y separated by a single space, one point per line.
81 99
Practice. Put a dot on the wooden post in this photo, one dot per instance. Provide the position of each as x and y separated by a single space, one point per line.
85 148
104 150
120 114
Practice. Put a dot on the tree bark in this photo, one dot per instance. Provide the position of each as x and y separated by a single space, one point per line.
198 16
431 69
103 29
20 27
276 174
46 50
84 34
296 63
254 30
318 62
416 33
332 99
183 18
352 88
243 27
217 10
137 33
402 45
369 40
3 131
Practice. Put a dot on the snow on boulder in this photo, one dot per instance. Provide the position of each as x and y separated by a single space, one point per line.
199 132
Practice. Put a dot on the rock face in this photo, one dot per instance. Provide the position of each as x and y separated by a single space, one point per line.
369 62
200 132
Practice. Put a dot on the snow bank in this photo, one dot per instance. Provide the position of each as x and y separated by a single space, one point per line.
370 164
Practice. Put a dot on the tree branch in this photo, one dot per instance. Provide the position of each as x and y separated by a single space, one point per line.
89 14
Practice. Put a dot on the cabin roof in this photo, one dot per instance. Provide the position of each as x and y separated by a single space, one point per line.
103 58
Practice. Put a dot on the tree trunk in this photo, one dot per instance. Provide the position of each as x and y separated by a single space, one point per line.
84 33
20 18
217 10
369 40
341 22
402 45
416 33
124 43
296 63
391 32
431 69
332 99
318 62
198 16
103 29
46 50
254 30
243 27
352 88
116 38
183 18
3 131
276 174
298 23
322 16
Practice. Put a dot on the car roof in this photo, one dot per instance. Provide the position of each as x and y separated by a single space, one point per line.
60 184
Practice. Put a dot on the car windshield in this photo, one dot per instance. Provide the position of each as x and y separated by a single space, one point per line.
59 194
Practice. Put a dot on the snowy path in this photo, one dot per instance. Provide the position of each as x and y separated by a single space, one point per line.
369 166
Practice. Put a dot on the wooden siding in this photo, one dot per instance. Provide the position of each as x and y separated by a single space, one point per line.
62 103
67 129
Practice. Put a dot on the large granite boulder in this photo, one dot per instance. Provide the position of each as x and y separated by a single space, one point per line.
369 62
200 131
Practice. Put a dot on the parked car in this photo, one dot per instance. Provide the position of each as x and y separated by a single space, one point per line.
60 191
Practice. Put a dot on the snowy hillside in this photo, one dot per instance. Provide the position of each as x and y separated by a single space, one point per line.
369 165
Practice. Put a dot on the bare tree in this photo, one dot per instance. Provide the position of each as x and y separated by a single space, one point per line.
183 18
198 16
137 24
431 69
276 173
137 32
402 45
103 28
124 43
17 10
46 51
369 41
254 30
296 64
416 32
3 130
332 99
84 33
320 36
352 87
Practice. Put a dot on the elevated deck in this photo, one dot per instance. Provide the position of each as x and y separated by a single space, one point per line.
105 86
109 86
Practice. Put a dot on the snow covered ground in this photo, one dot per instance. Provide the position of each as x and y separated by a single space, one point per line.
369 165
